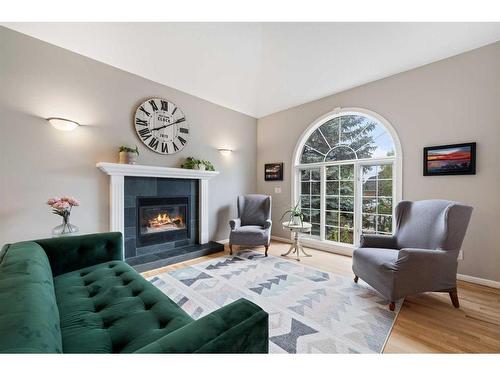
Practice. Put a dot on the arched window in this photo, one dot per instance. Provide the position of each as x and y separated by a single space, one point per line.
347 176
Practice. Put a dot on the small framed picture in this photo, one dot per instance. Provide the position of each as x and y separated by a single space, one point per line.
446 160
273 172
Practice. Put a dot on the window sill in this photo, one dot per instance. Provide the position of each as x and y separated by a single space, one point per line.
328 246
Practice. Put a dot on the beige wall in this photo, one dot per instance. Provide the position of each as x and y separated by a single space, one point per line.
38 80
452 101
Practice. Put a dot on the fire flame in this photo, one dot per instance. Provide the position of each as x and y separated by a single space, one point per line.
165 219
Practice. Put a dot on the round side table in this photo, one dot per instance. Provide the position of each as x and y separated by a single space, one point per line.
297 230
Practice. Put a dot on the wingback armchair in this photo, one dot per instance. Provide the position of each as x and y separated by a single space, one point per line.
422 254
252 227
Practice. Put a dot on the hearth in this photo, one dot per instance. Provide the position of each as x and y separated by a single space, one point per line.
162 220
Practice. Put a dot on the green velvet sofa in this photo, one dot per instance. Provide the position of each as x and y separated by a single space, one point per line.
76 295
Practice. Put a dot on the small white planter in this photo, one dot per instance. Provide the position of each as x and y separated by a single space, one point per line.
127 157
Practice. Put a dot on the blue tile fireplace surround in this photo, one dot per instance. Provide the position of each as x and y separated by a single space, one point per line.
161 220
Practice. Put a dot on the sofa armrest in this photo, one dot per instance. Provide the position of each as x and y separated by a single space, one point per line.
71 253
240 327
378 241
235 223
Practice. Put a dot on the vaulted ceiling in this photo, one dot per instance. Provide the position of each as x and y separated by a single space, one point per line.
262 68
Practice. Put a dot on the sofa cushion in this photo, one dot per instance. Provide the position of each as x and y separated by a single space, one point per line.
29 317
110 308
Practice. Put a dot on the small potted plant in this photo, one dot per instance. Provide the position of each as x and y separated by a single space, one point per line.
295 216
193 163
128 155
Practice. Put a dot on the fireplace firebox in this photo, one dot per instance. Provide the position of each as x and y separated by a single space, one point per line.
162 219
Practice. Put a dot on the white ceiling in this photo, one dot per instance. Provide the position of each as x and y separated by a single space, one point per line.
262 68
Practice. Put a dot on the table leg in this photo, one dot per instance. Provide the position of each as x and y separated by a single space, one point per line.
292 247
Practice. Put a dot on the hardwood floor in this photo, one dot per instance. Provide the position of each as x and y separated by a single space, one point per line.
427 323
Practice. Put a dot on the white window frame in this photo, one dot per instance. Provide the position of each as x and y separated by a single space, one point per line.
397 176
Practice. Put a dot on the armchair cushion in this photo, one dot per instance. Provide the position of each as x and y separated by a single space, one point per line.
252 235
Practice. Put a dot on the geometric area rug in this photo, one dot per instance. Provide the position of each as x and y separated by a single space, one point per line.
310 311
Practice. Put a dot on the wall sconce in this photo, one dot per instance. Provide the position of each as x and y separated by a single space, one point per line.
225 151
62 123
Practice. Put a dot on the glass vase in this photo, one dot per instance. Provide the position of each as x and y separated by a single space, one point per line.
65 229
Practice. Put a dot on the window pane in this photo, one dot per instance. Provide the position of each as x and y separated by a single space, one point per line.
305 175
346 235
332 173
384 223
332 203
339 153
332 233
315 202
332 188
305 188
369 223
332 218
347 188
315 175
385 206
347 172
346 219
385 171
330 130
385 188
307 215
317 142
311 156
315 188
315 230
305 201
369 205
346 204
315 216
370 188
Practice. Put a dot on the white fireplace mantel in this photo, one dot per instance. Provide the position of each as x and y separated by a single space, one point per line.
117 173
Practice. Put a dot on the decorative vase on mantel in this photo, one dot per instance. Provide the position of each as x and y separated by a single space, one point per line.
62 207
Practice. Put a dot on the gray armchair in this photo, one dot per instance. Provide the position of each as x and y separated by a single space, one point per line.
422 254
253 225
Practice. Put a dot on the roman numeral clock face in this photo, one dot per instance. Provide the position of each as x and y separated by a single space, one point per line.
161 126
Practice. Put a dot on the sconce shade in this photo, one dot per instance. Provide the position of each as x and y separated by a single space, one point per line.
62 123
225 151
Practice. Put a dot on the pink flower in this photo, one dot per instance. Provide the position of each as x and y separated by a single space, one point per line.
51 201
60 205
73 202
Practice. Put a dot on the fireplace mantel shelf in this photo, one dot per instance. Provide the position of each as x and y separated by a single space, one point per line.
135 170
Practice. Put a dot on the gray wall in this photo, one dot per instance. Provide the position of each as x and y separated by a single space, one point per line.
38 80
452 101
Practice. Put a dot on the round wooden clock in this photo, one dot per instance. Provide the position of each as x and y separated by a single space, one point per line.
161 126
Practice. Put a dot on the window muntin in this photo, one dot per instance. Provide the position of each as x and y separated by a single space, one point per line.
354 157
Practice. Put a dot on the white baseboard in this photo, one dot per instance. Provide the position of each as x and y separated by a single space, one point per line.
479 281
223 241
281 239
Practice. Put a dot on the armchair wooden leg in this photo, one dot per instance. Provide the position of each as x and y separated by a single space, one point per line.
230 249
392 306
267 248
454 298
356 278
